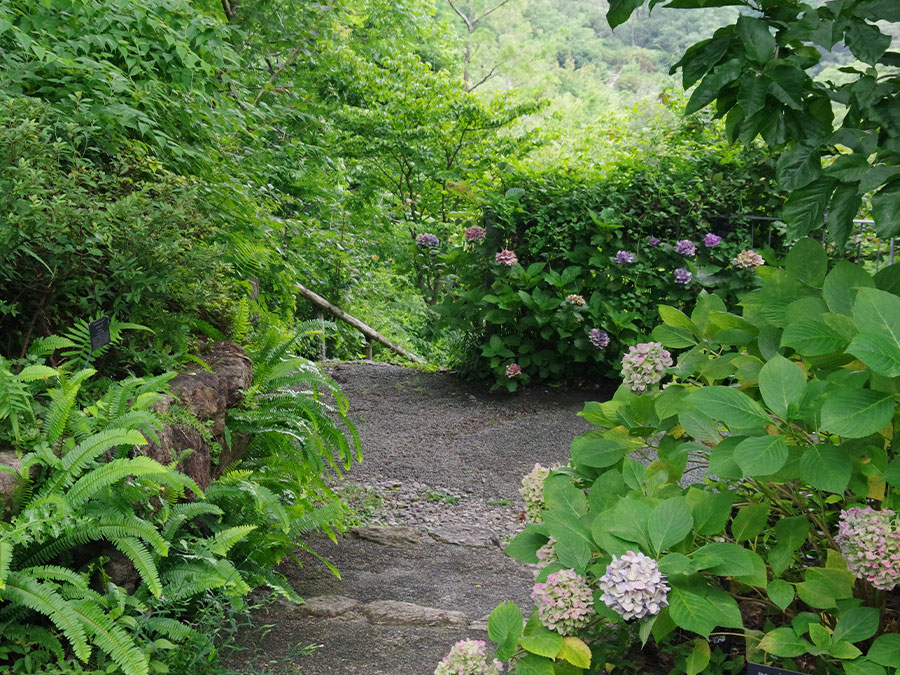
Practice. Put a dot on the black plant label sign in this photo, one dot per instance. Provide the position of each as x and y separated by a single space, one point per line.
99 331
756 669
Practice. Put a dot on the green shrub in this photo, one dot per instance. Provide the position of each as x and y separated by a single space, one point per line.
775 425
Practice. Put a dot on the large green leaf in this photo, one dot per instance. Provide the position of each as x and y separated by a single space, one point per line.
759 43
749 522
761 455
669 523
620 10
886 210
561 495
807 262
595 450
804 209
725 559
844 207
710 510
782 384
780 592
822 588
524 545
504 627
708 89
812 338
733 407
698 658
573 541
540 640
842 284
886 650
866 42
784 642
798 168
856 413
826 467
857 624
877 316
694 607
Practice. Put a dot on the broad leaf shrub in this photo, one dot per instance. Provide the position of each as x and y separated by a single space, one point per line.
569 256
761 524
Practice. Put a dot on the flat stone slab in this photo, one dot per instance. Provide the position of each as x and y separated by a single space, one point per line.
398 537
396 613
328 606
473 537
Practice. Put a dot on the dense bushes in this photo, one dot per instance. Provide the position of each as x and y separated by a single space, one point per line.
598 250
783 545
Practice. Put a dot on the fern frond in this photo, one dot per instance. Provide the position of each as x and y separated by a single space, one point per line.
63 399
27 591
133 527
170 628
45 346
37 372
111 638
6 556
318 518
181 513
112 472
37 637
56 573
88 450
223 541
143 562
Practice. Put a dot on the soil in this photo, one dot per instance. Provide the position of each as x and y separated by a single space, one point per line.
443 458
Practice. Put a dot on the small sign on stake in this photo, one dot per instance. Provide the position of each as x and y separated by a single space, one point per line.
757 669
100 337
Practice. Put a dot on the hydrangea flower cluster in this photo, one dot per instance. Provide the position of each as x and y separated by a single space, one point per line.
474 233
747 260
574 299
599 338
506 257
870 542
624 257
711 240
645 365
468 657
547 553
513 369
653 242
564 602
682 276
533 492
428 240
686 248
633 586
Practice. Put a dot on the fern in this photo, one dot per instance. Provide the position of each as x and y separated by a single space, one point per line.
75 460
111 638
118 469
27 591
143 562
170 628
61 405
80 337
224 540
182 513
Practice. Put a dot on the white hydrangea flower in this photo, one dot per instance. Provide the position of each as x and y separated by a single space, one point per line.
644 365
633 586
533 492
564 602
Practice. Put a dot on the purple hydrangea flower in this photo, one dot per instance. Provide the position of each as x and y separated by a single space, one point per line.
711 240
870 543
624 257
653 242
682 276
506 257
686 248
427 240
475 233
564 602
633 586
599 338
644 365
747 260
513 369
533 492
468 657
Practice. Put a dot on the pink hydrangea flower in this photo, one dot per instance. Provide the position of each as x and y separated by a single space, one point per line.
468 657
870 543
506 257
475 233
513 369
564 602
644 365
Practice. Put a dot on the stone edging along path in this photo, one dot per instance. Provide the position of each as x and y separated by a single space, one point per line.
438 491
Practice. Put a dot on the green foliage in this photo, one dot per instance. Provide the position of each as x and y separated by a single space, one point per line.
839 139
566 230
790 433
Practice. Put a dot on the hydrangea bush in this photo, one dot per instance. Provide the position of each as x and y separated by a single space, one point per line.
741 508
468 657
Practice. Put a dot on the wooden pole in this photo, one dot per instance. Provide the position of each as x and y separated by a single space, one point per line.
321 302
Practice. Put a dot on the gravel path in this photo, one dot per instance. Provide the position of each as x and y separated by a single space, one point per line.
436 495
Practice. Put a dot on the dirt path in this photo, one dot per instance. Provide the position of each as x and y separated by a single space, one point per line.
439 484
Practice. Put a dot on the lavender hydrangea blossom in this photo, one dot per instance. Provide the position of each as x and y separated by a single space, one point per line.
686 248
427 240
633 586
506 257
644 365
468 657
599 338
564 602
870 543
747 260
711 240
653 242
533 492
475 233
624 257
682 276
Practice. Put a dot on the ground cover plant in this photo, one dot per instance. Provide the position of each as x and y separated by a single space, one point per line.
761 524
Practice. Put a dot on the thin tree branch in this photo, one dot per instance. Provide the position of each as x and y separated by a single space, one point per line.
470 25
485 78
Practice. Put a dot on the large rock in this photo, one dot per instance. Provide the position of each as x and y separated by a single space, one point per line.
395 613
9 477
329 606
205 395
461 535
230 361
398 537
